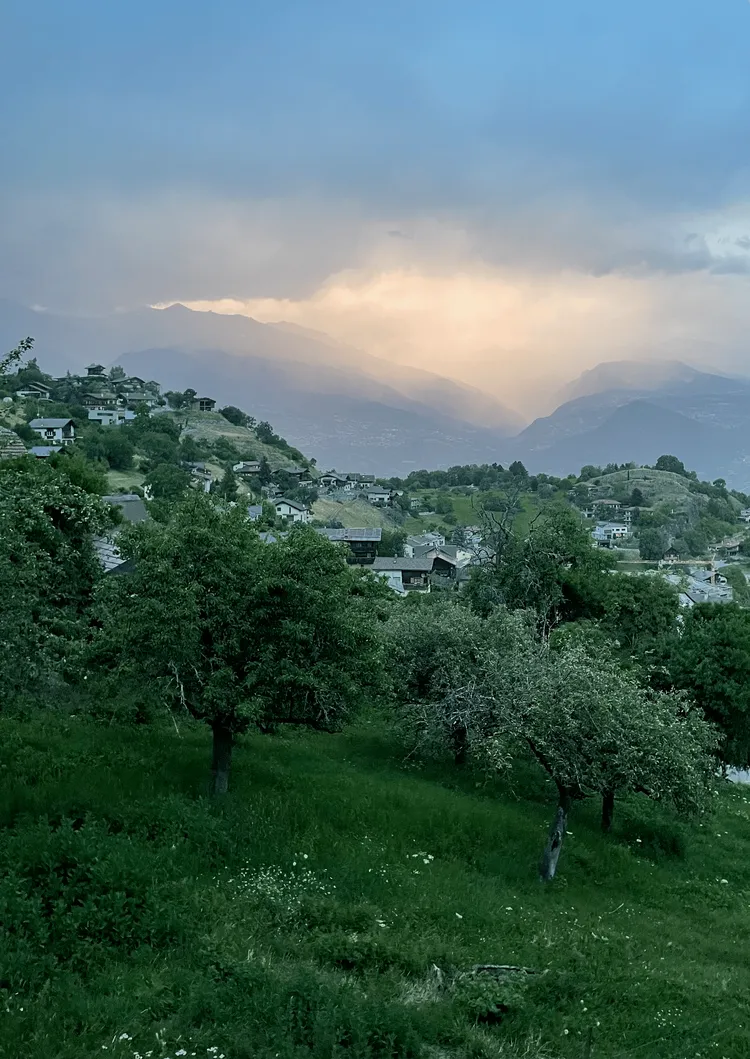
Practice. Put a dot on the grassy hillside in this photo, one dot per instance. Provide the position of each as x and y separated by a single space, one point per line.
211 425
351 513
306 914
657 486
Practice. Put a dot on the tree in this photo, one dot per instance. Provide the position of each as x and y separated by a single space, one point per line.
47 570
517 470
234 415
652 543
596 731
15 356
640 613
711 661
227 487
438 654
167 482
671 463
118 449
234 631
264 472
551 569
637 498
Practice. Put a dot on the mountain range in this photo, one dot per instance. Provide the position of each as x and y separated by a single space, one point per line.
354 411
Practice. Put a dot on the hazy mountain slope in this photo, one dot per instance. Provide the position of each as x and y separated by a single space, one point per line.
361 434
640 431
343 406
634 375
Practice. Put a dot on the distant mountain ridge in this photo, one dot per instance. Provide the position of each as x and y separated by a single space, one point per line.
337 403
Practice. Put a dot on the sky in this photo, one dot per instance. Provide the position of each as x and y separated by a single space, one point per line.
505 191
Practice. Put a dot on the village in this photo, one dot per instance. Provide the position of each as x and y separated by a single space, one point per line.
416 539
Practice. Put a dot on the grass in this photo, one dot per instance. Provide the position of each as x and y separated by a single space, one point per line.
352 513
304 915
125 479
468 510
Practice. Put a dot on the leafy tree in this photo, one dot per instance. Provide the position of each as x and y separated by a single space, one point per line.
264 473
738 583
637 498
670 463
190 451
551 569
590 471
234 415
15 356
517 470
227 487
596 731
234 631
82 473
167 482
391 542
639 612
118 449
711 661
47 569
652 543
159 448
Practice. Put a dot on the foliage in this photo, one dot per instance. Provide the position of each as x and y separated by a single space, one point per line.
233 631
640 613
652 543
167 482
47 570
235 416
711 661
391 542
15 356
670 463
227 487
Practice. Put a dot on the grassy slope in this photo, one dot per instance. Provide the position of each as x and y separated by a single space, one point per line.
376 873
351 513
211 425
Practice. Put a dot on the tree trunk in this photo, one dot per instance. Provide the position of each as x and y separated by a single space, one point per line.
608 810
460 739
551 853
221 758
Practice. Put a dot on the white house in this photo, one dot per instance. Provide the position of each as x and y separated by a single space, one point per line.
292 510
332 480
111 417
422 541
55 431
376 495
606 534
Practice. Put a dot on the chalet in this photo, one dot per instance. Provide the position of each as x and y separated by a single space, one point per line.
100 399
423 541
671 555
447 561
111 417
291 509
254 512
203 404
331 480
362 543
200 476
247 468
405 574
744 515
379 497
296 472
41 452
132 382
11 446
133 398
96 371
35 391
55 431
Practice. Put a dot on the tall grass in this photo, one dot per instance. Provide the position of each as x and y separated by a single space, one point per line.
331 905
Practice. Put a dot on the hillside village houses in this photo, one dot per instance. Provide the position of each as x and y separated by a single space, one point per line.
378 496
608 534
423 541
54 431
247 468
404 575
292 510
109 417
362 543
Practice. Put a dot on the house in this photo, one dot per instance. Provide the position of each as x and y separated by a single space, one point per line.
405 574
362 543
247 468
55 431
379 497
132 382
35 391
296 472
100 399
132 509
447 560
254 512
41 452
415 503
607 534
730 546
331 480
133 398
111 417
203 404
424 541
291 509
671 555
201 477
744 515
96 371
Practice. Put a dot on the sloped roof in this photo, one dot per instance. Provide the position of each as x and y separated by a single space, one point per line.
41 451
291 503
391 562
130 504
10 444
49 424
351 534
